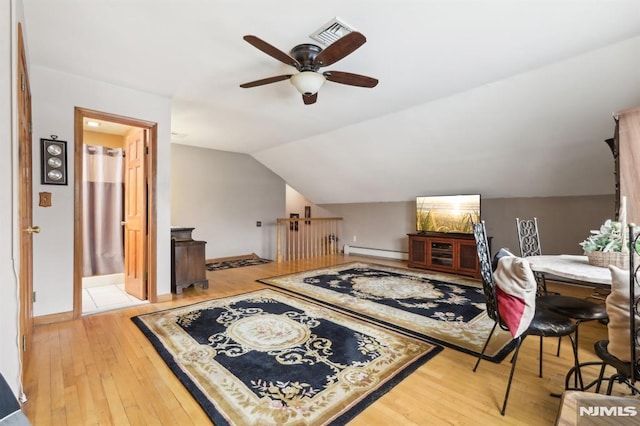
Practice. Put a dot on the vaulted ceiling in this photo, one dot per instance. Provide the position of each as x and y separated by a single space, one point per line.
502 97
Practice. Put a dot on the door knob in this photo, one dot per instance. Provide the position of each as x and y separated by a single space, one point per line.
123 223
33 230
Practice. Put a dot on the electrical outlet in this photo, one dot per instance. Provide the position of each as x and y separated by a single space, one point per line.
258 224
355 238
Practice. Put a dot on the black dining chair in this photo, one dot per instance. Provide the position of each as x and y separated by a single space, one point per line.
576 308
544 323
529 242
580 310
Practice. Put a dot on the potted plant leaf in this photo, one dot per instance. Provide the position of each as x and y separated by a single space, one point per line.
607 245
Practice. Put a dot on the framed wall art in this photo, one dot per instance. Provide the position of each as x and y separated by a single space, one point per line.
307 214
293 225
53 161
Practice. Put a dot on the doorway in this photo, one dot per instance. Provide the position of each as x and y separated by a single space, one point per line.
104 286
134 273
25 208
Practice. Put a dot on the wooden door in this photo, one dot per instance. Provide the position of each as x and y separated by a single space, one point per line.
417 251
135 212
468 258
25 201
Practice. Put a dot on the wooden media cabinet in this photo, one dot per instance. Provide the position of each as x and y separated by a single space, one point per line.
452 253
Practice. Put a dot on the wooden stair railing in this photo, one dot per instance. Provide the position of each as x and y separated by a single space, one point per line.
303 238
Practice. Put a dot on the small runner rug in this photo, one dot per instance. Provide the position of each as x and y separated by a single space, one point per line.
236 263
443 308
267 358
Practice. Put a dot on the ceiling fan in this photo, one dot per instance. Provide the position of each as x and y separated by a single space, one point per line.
308 59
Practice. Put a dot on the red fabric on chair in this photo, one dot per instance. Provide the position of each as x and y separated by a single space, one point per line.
516 293
511 309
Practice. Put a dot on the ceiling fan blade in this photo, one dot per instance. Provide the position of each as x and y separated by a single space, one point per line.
350 79
339 49
310 99
265 81
274 52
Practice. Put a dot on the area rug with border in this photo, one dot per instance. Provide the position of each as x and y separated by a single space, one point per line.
268 357
443 308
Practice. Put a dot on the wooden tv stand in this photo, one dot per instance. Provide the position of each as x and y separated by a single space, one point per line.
452 253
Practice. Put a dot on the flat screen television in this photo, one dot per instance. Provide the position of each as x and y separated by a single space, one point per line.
447 213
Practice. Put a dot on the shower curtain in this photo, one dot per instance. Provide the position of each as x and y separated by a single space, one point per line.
102 186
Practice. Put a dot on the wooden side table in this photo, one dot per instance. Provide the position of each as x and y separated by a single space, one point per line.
188 264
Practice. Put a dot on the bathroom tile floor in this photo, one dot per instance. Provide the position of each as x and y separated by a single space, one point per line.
106 298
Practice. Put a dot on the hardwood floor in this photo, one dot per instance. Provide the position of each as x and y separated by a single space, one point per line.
101 370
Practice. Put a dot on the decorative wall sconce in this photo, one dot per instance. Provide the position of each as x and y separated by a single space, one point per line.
53 156
45 199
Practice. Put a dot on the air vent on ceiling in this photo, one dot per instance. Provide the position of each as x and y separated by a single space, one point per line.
331 31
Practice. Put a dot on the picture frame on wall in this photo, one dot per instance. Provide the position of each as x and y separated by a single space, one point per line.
293 225
307 215
53 162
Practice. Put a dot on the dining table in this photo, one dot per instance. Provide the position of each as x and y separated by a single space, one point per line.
575 269
571 267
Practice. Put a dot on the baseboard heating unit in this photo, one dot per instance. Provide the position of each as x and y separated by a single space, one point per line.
365 251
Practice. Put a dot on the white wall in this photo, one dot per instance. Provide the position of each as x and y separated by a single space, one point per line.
222 195
563 221
55 95
296 202
376 225
10 13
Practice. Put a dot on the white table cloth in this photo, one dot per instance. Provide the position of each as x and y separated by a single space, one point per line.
572 267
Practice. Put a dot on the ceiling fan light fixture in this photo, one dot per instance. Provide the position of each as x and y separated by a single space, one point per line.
308 82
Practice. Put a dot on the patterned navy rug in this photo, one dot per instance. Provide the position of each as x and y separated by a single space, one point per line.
270 358
237 263
443 308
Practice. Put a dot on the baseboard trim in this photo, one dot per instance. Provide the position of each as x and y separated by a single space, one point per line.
374 252
52 318
164 298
